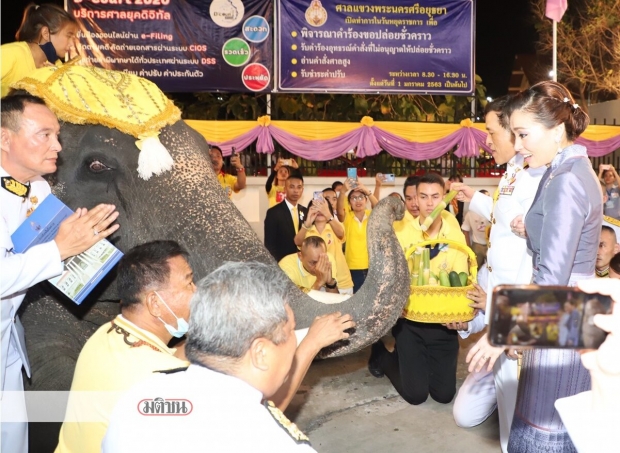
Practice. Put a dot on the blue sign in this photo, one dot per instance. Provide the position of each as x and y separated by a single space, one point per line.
353 46
179 45
256 29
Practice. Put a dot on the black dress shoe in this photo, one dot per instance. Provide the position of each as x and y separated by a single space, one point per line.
374 361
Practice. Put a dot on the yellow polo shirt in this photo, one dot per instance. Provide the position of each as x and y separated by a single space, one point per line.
292 267
334 250
107 363
275 195
448 258
227 182
356 251
17 63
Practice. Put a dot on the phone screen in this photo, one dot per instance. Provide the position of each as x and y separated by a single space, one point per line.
532 316
352 173
389 177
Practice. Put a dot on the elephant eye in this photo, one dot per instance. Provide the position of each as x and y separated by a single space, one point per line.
97 167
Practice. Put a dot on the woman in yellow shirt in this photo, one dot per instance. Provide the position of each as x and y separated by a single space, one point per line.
46 34
282 170
355 222
321 222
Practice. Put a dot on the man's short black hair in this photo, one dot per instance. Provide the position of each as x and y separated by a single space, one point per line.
431 178
13 106
410 181
497 106
145 267
455 177
314 242
610 230
295 174
336 184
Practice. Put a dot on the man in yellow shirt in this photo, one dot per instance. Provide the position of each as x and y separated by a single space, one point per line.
312 267
155 285
228 182
425 358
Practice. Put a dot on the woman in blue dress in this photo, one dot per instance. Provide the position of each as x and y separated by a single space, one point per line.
563 228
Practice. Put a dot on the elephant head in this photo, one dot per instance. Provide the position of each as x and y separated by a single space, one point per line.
99 164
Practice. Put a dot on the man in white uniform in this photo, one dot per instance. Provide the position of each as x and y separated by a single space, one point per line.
241 343
508 259
30 147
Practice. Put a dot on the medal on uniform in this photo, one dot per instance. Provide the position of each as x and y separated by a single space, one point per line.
34 200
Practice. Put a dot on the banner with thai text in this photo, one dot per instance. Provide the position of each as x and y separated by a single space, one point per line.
392 46
181 45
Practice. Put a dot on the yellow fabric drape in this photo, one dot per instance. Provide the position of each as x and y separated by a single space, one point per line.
221 131
598 133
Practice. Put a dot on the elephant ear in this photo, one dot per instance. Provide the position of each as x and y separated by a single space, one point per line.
88 95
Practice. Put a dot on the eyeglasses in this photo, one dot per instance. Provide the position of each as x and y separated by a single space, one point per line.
358 198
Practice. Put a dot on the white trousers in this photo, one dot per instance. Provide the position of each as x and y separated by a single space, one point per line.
482 392
13 406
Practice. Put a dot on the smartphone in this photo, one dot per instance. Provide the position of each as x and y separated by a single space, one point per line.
317 196
234 152
287 162
605 167
352 173
389 177
532 316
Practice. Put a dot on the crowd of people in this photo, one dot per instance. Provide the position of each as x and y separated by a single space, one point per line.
546 224
551 221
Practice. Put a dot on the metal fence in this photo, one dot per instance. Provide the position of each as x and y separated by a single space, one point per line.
478 167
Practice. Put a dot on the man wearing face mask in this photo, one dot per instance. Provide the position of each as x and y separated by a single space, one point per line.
155 285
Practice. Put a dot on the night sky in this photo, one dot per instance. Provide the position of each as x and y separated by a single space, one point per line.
503 29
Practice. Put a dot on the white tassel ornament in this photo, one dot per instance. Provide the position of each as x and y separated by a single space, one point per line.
154 157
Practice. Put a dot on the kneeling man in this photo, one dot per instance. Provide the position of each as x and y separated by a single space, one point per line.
241 344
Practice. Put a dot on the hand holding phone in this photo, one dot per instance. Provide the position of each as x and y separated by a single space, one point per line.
531 316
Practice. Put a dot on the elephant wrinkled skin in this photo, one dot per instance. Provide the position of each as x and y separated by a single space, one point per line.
98 165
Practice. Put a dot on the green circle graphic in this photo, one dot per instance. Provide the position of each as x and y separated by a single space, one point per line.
236 52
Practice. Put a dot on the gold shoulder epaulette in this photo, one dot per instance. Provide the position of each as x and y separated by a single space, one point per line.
611 220
290 427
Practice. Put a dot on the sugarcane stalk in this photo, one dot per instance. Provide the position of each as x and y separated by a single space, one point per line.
437 211
421 269
427 265
415 270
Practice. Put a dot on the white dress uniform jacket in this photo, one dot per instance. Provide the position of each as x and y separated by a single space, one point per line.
509 262
222 413
18 273
508 259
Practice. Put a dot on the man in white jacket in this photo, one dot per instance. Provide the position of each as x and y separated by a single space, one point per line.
30 147
508 259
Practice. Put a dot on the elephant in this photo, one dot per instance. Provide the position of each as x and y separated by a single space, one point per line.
98 165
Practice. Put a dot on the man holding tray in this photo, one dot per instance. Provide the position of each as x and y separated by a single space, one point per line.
30 147
425 359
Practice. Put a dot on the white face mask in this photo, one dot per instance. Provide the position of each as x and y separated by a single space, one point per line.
182 325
